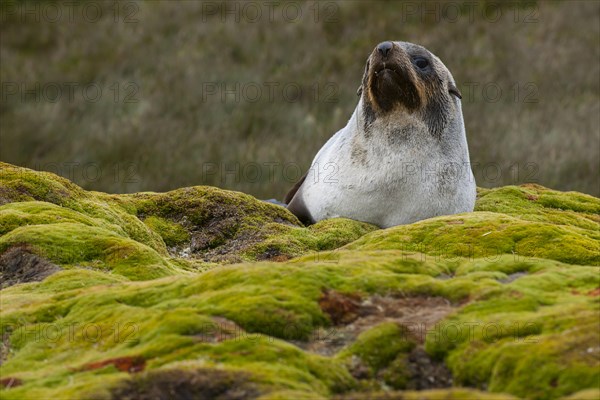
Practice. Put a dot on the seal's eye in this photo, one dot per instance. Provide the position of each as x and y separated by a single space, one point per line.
421 62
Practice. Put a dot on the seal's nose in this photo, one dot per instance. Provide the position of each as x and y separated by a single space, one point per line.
384 48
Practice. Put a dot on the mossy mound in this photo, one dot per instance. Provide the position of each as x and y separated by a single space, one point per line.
215 225
229 317
149 235
524 221
113 305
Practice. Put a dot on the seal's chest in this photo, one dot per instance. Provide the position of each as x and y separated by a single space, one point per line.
408 165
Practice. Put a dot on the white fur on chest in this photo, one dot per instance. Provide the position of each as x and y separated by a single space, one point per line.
388 181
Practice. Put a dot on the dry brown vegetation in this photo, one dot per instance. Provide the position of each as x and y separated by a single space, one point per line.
176 134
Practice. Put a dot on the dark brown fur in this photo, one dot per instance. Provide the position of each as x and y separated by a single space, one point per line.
292 192
395 81
296 204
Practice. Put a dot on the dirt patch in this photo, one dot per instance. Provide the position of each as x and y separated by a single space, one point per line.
415 315
272 254
201 384
125 364
424 373
215 234
341 308
20 264
221 225
10 382
214 246
594 293
352 317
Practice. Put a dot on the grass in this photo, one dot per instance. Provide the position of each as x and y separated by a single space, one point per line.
541 55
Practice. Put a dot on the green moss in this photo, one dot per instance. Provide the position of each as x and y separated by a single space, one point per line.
173 320
75 244
336 232
202 224
172 233
437 394
22 185
288 241
529 359
520 273
234 227
300 370
379 346
519 338
537 203
488 235
14 215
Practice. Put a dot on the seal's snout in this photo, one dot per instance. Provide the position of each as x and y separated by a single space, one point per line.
387 55
384 48
390 79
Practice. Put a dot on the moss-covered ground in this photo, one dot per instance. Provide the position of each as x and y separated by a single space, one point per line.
217 294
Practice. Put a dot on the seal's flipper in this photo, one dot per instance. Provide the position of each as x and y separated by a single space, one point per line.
290 195
295 202
299 209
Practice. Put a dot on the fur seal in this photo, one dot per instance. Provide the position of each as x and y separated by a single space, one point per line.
403 155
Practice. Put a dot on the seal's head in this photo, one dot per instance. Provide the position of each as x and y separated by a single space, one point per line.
402 77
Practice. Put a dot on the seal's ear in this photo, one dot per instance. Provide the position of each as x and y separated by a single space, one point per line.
454 90
359 91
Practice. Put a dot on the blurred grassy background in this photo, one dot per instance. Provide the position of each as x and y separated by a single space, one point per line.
157 127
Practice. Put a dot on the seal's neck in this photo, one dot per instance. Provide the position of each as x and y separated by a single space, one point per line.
410 129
